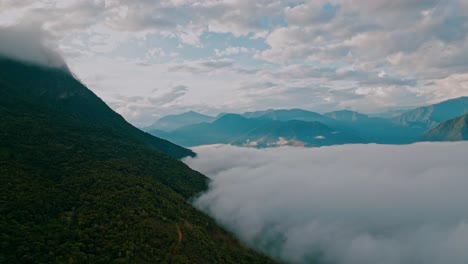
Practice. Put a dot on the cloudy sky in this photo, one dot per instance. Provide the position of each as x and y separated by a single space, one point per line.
148 58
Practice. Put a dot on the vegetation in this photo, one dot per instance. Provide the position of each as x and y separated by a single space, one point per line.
81 187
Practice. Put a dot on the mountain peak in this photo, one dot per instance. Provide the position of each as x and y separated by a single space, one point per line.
172 122
60 91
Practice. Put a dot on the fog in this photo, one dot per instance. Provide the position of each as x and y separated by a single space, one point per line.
353 204
29 43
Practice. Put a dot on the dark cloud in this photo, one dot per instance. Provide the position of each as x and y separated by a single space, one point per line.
352 204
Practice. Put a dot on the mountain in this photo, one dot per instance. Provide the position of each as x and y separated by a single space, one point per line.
290 114
259 128
56 89
257 132
429 116
172 122
451 130
294 133
81 185
390 113
222 130
346 116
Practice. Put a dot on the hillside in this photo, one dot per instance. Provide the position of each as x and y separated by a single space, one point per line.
451 130
429 116
172 122
80 186
58 90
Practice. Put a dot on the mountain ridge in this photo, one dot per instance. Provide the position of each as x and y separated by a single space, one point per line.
172 122
64 93
451 130
406 128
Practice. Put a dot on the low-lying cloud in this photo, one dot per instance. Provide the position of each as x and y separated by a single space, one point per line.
29 44
351 204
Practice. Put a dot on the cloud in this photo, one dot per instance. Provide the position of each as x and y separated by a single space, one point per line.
351 204
321 55
29 44
143 110
231 51
373 32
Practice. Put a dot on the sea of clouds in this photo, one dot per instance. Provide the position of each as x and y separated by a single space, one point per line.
350 204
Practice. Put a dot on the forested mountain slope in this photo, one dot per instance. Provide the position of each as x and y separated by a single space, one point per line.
77 186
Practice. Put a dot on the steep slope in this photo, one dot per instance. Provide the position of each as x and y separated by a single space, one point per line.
429 116
451 130
172 122
60 91
75 190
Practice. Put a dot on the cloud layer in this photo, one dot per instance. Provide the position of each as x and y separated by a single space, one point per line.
351 204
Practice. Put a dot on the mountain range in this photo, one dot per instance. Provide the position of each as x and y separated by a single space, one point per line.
79 184
173 122
298 127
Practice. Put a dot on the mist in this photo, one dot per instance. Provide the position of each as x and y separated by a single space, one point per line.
31 44
350 204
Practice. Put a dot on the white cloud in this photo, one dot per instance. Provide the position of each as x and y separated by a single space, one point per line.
351 204
231 51
29 44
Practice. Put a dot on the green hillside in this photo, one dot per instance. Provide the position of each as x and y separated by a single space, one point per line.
57 89
80 185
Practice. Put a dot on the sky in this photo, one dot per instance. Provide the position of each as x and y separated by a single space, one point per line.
348 204
149 58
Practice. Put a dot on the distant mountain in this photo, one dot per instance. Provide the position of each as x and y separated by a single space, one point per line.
451 130
78 184
390 113
172 122
222 130
290 114
346 116
259 128
258 132
294 133
429 116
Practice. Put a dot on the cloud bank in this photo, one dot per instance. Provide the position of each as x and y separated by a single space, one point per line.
351 204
